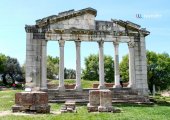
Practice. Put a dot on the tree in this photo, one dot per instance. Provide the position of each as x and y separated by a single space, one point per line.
91 71
91 68
12 71
69 74
158 70
124 68
3 59
52 67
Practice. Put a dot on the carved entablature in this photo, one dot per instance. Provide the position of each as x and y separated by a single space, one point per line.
64 16
104 25
38 35
82 23
131 44
31 29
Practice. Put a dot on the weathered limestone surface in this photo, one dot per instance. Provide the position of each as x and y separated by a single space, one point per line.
61 66
33 62
132 82
140 66
94 100
105 101
78 86
69 106
31 101
100 100
116 65
81 26
44 66
101 66
85 21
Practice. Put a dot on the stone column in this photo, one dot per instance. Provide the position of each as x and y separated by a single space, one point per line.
78 67
61 86
116 65
131 65
44 65
29 61
101 66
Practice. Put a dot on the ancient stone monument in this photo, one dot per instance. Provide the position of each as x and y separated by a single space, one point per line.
81 26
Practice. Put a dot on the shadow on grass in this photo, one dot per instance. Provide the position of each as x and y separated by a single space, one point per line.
159 102
132 105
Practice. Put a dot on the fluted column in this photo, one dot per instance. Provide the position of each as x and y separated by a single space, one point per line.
101 66
131 65
44 66
61 66
116 65
78 67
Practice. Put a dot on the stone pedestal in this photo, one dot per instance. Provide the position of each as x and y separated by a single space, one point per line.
100 100
31 101
105 101
69 106
94 100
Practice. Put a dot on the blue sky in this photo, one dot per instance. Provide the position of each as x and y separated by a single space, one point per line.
16 13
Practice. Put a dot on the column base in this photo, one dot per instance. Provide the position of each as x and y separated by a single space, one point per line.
117 86
131 86
45 89
101 87
61 88
78 88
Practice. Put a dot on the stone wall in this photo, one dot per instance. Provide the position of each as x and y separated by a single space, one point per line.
140 66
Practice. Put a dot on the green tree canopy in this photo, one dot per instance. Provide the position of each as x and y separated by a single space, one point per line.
91 71
52 67
158 69
11 70
124 68
3 60
69 74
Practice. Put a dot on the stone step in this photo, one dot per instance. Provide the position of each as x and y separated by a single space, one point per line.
123 94
84 102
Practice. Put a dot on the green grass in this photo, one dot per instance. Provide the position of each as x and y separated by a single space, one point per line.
7 98
85 83
129 111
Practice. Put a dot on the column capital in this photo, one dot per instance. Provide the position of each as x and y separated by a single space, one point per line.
61 43
44 42
131 44
100 43
78 43
115 43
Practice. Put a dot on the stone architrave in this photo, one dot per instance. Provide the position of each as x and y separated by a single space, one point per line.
61 86
116 65
131 45
78 67
101 66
